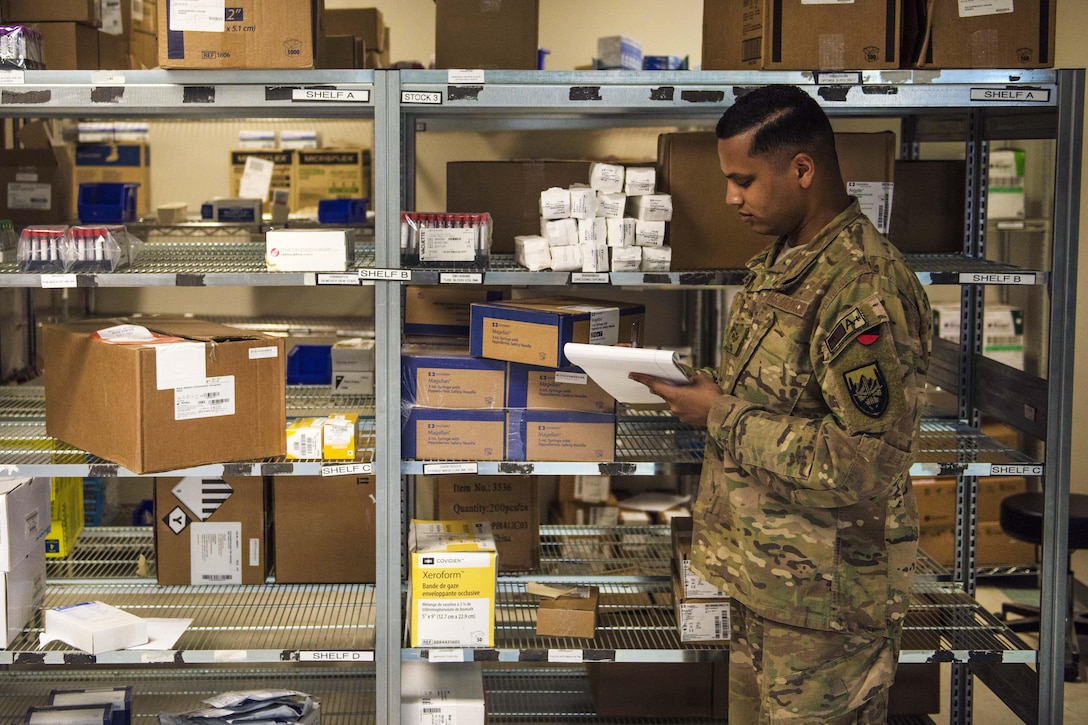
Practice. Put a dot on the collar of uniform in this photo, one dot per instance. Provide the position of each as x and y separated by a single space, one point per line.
768 275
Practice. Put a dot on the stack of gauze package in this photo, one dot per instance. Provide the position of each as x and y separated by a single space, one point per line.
615 223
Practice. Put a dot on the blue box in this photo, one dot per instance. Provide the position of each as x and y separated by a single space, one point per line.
448 377
107 203
342 211
309 365
118 698
554 435
664 62
452 435
542 388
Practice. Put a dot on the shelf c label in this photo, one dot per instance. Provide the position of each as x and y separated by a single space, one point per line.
1016 470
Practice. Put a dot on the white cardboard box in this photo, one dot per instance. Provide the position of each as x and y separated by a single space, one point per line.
22 591
95 627
309 250
1002 331
24 518
442 693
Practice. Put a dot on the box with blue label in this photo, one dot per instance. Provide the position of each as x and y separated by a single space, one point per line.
113 163
552 435
435 376
540 388
533 331
453 435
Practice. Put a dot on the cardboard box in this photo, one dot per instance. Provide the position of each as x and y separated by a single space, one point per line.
338 437
594 514
36 186
283 171
707 233
569 615
309 250
363 24
253 34
799 35
216 395
118 698
95 627
587 489
66 516
22 591
24 518
211 531
330 174
692 585
937 498
539 388
490 36
1002 331
508 504
69 46
1005 184
114 163
659 690
353 367
436 376
700 620
88 12
509 191
928 209
336 51
444 310
533 331
455 435
452 595
323 529
993 547
446 692
989 35
556 435
114 51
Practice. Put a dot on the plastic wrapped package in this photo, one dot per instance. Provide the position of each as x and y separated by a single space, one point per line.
21 47
56 249
446 240
41 249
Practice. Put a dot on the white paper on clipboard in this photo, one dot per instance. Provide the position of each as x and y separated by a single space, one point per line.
610 365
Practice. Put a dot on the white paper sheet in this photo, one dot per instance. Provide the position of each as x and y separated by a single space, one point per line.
610 365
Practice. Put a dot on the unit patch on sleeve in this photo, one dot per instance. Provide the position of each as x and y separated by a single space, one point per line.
868 389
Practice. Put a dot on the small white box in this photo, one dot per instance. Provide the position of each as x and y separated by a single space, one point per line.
353 355
450 692
118 698
621 232
626 259
309 250
22 591
24 518
560 232
606 178
94 627
649 234
298 139
592 231
619 51
594 257
352 383
1002 331
656 259
237 211
532 252
651 207
640 180
100 714
611 205
1005 184
567 258
583 202
554 203
252 139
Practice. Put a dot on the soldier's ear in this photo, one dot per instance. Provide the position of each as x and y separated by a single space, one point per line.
803 167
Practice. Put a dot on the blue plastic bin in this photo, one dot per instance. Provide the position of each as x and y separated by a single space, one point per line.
107 203
342 211
309 365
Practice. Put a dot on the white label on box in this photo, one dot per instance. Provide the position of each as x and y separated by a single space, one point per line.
111 17
875 198
304 443
571 378
974 8
464 75
462 621
215 551
212 399
59 281
256 178
36 197
604 323
259 353
202 496
137 9
179 364
447 245
254 552
703 621
27 176
208 16
695 587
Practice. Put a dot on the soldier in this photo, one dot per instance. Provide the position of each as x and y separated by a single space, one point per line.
805 513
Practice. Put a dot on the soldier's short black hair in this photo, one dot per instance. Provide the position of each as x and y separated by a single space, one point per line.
786 119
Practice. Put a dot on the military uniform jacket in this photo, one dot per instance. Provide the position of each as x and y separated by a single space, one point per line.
805 512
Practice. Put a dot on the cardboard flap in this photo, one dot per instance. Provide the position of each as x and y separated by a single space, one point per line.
198 330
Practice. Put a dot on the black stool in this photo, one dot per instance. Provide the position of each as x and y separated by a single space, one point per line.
1022 518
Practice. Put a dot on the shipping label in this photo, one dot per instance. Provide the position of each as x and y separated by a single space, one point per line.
704 621
212 399
36 197
215 551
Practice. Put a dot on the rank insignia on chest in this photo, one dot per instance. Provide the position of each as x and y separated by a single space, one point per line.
868 389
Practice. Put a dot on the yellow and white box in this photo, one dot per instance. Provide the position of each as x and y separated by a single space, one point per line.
452 598
338 437
304 441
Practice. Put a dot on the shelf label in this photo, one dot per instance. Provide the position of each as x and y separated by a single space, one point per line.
446 655
838 79
341 279
431 98
11 77
348 655
330 95
460 278
348 469
465 75
58 281
1018 469
107 78
1004 95
589 278
392 275
567 656
438 469
1007 278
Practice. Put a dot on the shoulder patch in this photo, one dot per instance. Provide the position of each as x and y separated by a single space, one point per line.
868 389
852 321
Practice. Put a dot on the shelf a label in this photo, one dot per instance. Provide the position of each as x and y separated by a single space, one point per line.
1011 95
330 95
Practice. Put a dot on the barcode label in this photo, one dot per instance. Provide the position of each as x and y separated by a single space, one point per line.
212 399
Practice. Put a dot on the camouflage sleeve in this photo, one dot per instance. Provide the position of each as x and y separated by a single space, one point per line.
868 359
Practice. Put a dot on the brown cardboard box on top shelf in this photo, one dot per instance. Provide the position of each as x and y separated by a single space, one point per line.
490 36
69 46
88 12
991 35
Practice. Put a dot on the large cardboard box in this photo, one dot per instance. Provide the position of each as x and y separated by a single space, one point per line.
446 692
364 24
114 163
22 592
36 186
659 690
439 434
330 174
452 587
436 376
36 11
988 34
508 504
487 35
509 191
559 435
937 498
249 34
213 396
24 518
533 331
539 388
993 547
323 529
928 207
707 233
211 531
800 35
444 310
69 46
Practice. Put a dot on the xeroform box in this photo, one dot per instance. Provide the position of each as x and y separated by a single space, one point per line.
533 331
452 597
244 34
194 393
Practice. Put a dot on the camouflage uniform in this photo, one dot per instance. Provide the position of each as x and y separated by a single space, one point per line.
805 513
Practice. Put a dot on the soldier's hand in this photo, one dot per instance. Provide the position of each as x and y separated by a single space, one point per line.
690 403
